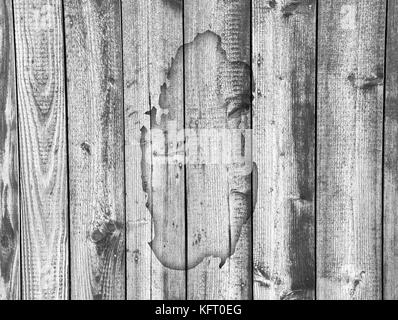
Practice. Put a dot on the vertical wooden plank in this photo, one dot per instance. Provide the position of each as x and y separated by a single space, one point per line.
9 168
135 20
350 120
391 158
96 149
154 85
42 142
284 46
218 105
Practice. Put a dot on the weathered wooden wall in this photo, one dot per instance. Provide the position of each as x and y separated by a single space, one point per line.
213 149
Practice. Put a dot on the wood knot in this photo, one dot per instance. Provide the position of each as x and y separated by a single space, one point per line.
103 231
86 148
289 9
366 83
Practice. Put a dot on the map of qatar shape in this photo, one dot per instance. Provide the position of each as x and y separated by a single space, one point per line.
217 97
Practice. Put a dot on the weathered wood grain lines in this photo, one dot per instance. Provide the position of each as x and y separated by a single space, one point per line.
136 103
9 168
42 145
284 66
218 105
96 149
390 281
349 156
154 85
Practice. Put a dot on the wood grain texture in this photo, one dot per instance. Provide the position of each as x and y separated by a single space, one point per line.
9 168
154 85
349 160
96 149
218 106
284 46
42 137
137 102
390 158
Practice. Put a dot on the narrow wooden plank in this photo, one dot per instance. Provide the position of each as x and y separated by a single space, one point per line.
391 158
284 46
42 142
135 21
217 116
154 85
96 149
350 121
9 167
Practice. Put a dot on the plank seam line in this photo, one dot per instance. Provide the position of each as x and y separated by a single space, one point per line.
19 158
124 149
251 267
185 161
149 7
383 146
316 151
66 113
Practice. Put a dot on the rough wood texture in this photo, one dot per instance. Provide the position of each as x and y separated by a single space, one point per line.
284 69
391 158
153 33
349 160
217 113
184 117
136 103
96 149
9 169
42 137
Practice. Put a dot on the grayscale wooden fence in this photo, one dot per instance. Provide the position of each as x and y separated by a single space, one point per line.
100 101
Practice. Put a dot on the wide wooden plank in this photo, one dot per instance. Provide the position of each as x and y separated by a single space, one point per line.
152 34
284 46
391 158
217 118
349 157
42 145
9 167
96 149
